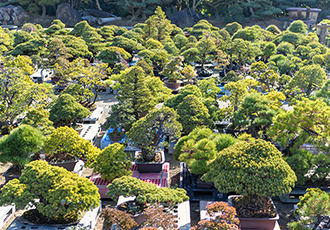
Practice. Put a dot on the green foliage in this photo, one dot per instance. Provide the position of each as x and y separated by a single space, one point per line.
285 48
39 118
22 37
148 132
171 48
232 28
77 46
137 37
231 170
209 88
41 187
112 55
324 93
263 9
321 170
66 110
33 6
309 78
131 186
173 69
300 163
29 48
254 115
66 141
56 27
313 206
157 26
288 36
127 44
273 29
79 28
174 101
298 26
293 128
154 44
20 144
248 34
234 14
107 32
112 162
120 218
192 112
223 141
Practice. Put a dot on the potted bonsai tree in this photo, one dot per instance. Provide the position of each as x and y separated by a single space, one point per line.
17 148
65 147
173 72
143 193
41 188
112 162
254 170
147 134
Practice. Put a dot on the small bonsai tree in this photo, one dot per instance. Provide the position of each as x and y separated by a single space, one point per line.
112 162
221 217
148 132
18 146
144 191
314 207
173 69
65 144
66 111
41 187
253 169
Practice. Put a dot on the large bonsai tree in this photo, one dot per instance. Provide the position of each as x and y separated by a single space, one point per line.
148 132
20 144
66 110
65 143
42 187
252 169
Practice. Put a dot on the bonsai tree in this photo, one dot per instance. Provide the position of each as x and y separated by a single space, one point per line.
18 146
66 111
39 118
313 208
41 187
144 191
252 169
65 144
221 216
112 162
173 69
148 132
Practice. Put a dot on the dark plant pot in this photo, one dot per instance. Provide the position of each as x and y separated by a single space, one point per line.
10 176
205 72
139 218
146 167
69 165
203 184
115 138
172 85
256 223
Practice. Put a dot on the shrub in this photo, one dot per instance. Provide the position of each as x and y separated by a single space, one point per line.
144 191
285 48
300 163
271 176
298 26
112 162
273 29
120 218
18 146
223 141
322 167
52 191
233 28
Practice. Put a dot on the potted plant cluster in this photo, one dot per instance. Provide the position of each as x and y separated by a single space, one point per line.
112 162
148 133
254 170
18 148
64 148
145 193
41 188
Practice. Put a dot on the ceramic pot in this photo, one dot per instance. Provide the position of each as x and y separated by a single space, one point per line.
256 223
172 85
155 167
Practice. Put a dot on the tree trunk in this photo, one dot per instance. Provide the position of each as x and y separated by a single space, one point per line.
250 8
43 11
96 94
98 5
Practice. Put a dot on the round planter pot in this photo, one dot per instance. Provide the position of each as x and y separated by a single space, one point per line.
256 223
155 167
9 175
172 85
